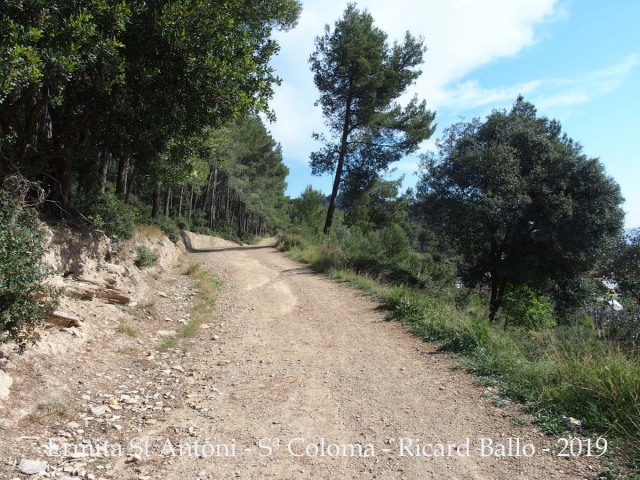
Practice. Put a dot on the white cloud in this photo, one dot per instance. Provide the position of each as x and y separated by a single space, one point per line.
461 35
578 89
470 94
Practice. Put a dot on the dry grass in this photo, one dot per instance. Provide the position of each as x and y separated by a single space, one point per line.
127 330
208 287
46 410
149 231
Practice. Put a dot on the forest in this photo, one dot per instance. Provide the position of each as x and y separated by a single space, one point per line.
136 109
117 113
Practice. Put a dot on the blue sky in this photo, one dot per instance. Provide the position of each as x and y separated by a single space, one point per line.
577 60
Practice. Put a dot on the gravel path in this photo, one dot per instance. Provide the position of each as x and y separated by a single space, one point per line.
304 378
293 377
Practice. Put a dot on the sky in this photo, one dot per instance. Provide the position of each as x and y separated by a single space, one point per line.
577 61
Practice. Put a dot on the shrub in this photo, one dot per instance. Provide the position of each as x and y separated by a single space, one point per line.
524 308
289 241
24 301
110 214
145 257
395 244
168 226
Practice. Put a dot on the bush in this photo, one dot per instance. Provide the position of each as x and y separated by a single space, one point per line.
290 241
524 308
395 244
24 301
110 214
145 257
168 226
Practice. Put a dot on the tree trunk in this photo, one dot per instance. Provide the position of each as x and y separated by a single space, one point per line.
123 167
191 202
105 158
155 207
336 182
180 204
497 293
167 202
131 180
212 202
65 177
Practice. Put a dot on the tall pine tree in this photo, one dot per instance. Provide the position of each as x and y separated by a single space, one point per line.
360 76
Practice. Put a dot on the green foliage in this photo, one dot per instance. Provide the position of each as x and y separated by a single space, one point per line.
290 241
110 214
383 254
168 226
625 263
360 77
523 307
555 371
394 243
373 205
438 321
25 301
308 210
130 81
257 173
145 257
520 201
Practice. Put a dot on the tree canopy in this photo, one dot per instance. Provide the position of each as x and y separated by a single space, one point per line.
359 77
520 200
87 82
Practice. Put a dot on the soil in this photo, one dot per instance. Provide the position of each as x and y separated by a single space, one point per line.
293 377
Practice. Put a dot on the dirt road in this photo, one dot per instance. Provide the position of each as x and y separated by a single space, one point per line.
304 378
293 377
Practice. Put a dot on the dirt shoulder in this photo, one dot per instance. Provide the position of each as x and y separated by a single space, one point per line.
294 377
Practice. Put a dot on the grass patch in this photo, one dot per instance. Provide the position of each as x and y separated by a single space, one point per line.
208 287
127 330
149 231
192 269
145 257
47 410
167 343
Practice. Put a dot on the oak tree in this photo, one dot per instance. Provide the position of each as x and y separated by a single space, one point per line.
520 200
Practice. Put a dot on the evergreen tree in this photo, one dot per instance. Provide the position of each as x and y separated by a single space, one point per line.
520 201
360 76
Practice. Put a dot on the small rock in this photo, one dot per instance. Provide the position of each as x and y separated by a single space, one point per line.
100 410
572 423
115 269
128 400
5 385
32 467
64 319
166 333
